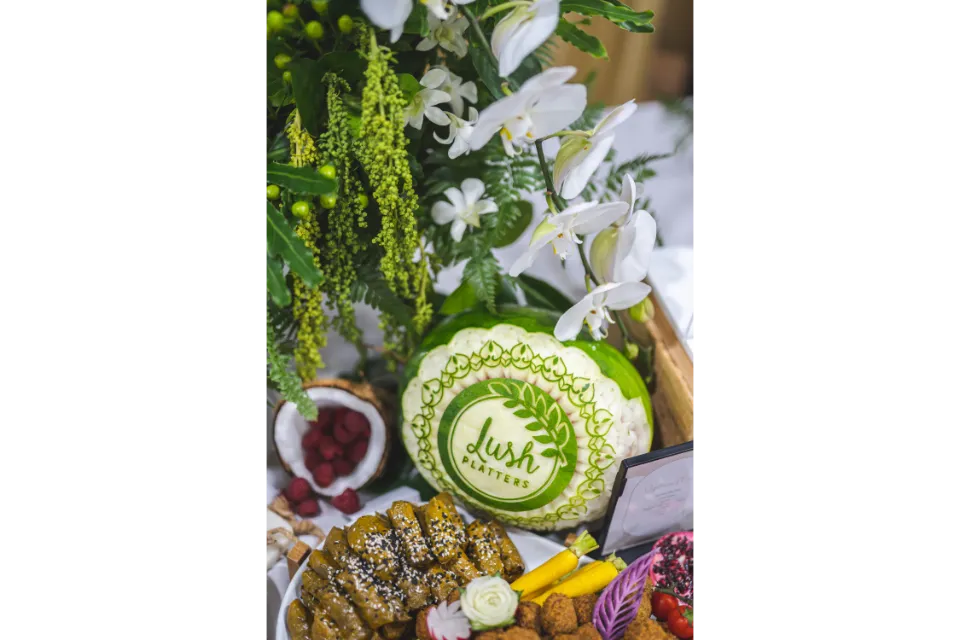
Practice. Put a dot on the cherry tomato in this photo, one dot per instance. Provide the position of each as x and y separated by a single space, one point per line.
273 192
291 11
281 60
300 209
328 201
345 24
314 30
663 604
680 622
275 20
328 171
320 6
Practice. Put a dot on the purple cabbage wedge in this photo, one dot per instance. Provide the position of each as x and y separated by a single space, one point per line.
620 601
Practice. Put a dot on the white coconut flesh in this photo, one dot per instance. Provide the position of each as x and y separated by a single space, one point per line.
489 431
280 545
290 427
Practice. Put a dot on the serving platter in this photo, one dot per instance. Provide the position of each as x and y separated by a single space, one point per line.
533 548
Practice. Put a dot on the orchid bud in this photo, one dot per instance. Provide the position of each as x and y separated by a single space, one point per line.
643 311
602 254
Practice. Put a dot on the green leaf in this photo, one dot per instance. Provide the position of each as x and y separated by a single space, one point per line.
372 289
485 69
281 240
276 284
543 439
512 222
417 23
279 149
581 39
346 64
409 85
309 94
534 426
542 295
462 298
549 453
614 11
523 413
483 274
300 179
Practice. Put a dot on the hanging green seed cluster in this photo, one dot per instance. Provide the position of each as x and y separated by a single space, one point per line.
308 310
338 148
383 153
303 150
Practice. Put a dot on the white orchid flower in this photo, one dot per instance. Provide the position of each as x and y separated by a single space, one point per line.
441 8
458 90
541 107
580 156
522 31
388 14
595 308
623 251
459 135
446 33
561 230
465 207
425 102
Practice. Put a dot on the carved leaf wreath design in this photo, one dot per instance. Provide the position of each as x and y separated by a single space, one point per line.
557 432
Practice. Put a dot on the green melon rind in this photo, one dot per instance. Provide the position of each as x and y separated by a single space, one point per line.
612 363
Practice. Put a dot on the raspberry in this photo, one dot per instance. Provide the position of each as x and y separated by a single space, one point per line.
323 474
355 422
312 458
311 439
340 415
308 508
347 502
298 490
342 467
343 435
365 434
324 419
357 450
330 448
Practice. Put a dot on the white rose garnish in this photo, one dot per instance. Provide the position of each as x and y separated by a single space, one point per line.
489 602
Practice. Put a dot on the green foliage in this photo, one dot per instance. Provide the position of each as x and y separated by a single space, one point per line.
282 241
372 289
276 284
541 295
483 275
287 382
614 11
512 221
581 39
462 298
300 179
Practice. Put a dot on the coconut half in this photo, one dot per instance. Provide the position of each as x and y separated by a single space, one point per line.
289 427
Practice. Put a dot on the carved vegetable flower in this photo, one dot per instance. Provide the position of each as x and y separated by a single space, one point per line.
561 230
465 207
523 30
447 622
580 155
593 309
459 134
446 33
489 602
541 107
425 102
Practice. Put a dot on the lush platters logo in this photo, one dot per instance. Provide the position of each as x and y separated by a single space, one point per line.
508 444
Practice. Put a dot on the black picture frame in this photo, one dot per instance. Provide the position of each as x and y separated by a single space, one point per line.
620 482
